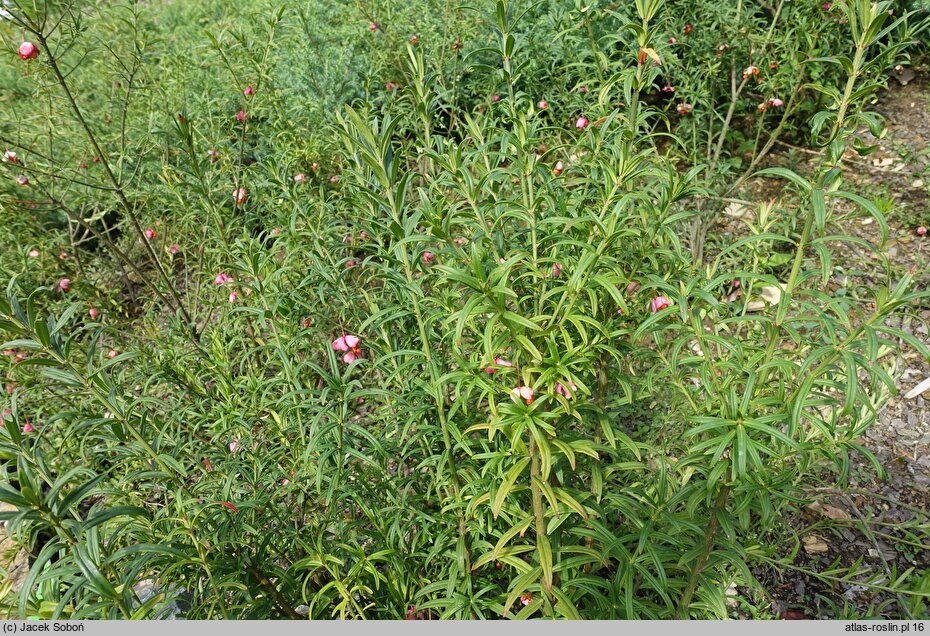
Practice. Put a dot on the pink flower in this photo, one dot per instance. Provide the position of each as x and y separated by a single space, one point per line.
276 231
373 27
10 156
687 29
214 155
22 180
632 288
300 177
240 196
524 392
566 391
921 230
233 296
581 123
64 285
63 255
351 345
351 264
240 115
672 40
34 253
825 6
749 71
93 313
390 86
222 278
428 257
659 303
112 354
314 166
502 362
149 233
28 51
556 270
334 178
775 102
559 167
583 90
543 105
248 91
414 40
28 428
684 108
762 107
174 249
668 89
234 445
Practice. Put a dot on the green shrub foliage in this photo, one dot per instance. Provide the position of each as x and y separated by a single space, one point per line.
435 326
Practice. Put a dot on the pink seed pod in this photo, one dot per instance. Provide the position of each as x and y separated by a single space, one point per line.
249 91
543 104
659 303
581 123
28 51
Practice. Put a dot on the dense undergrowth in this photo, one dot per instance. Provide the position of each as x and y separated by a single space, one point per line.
390 310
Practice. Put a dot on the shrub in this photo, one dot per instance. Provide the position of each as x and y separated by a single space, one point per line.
466 366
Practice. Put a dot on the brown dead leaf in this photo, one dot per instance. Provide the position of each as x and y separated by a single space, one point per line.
814 544
651 53
831 512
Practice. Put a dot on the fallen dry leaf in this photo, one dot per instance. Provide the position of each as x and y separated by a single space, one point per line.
736 210
917 390
814 544
831 512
